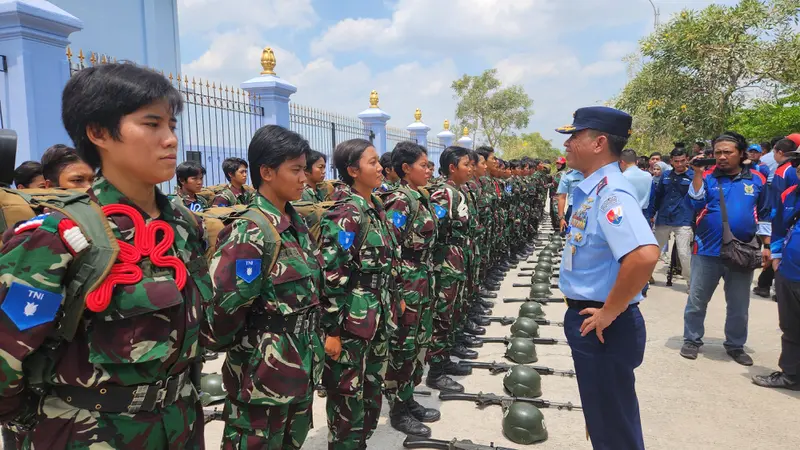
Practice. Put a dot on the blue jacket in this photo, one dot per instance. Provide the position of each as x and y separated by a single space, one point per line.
763 169
672 202
748 202
785 244
785 178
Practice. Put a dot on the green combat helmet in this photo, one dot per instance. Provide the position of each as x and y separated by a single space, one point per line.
521 351
555 237
545 259
523 424
553 247
531 310
546 252
540 290
540 277
523 381
211 389
525 327
544 267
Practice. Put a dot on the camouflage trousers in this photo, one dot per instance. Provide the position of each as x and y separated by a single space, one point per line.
61 426
279 427
450 287
355 384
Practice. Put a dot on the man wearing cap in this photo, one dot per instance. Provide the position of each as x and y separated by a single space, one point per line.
607 260
754 155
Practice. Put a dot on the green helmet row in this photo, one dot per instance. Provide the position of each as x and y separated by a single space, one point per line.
211 389
545 259
540 290
521 351
540 277
525 327
543 266
523 424
523 381
531 310
546 252
554 247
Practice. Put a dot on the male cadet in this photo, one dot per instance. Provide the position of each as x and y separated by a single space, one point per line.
609 255
234 193
564 192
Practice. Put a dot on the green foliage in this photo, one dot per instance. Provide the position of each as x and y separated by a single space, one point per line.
488 108
695 73
532 145
765 120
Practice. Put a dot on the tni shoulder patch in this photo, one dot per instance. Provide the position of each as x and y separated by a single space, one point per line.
346 239
28 307
248 269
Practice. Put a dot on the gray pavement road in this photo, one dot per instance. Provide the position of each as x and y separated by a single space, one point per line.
709 403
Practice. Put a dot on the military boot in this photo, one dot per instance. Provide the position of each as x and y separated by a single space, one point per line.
403 421
453 368
462 352
469 341
479 310
438 380
483 302
480 320
473 328
421 413
485 293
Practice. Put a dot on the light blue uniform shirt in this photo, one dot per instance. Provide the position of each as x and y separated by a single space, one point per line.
567 184
607 223
642 184
772 165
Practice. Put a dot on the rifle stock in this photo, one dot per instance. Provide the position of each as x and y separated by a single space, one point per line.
537 300
539 341
505 320
211 414
495 367
482 399
455 444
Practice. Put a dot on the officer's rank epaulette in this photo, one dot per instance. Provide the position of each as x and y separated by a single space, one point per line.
603 183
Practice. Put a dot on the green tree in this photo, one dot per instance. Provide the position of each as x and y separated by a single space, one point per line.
488 109
694 73
765 119
532 145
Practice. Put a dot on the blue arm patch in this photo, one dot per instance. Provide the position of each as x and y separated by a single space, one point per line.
440 211
346 239
28 307
399 219
248 269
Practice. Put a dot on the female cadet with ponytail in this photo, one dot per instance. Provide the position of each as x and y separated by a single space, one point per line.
359 252
413 222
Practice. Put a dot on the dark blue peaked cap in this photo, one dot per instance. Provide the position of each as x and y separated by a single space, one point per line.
600 118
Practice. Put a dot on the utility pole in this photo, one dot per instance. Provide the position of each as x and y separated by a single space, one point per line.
656 14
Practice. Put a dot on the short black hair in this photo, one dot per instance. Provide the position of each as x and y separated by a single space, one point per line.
386 159
473 156
26 172
231 165
765 147
98 97
656 154
615 143
734 137
775 141
188 169
312 159
485 151
406 152
628 156
55 159
451 155
271 146
680 151
347 154
785 145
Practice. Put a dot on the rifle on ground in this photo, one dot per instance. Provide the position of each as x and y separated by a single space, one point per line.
537 300
510 320
211 414
552 275
482 400
505 340
552 285
500 367
455 444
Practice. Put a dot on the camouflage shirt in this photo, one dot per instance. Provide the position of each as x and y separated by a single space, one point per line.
149 331
263 367
452 210
230 196
196 205
356 242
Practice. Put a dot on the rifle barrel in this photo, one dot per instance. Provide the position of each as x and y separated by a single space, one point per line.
521 285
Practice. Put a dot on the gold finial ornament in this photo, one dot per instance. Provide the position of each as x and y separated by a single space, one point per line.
446 125
373 99
268 61
69 53
418 115
466 132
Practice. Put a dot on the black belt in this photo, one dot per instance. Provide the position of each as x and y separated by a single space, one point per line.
419 257
583 304
454 240
124 399
305 321
367 280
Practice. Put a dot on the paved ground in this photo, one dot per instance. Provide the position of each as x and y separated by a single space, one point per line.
704 404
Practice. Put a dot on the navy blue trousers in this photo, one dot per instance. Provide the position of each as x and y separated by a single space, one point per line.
606 380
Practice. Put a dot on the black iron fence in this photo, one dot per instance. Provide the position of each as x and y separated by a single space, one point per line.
395 135
435 149
325 130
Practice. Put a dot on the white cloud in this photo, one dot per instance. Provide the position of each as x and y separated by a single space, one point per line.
200 16
604 68
617 49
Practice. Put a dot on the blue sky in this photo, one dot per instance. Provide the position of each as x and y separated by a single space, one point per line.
565 53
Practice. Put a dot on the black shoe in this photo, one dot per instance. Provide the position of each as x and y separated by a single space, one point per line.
480 320
208 355
689 350
469 341
453 368
485 303
479 310
761 291
778 380
459 351
473 328
492 287
403 421
740 357
421 413
444 383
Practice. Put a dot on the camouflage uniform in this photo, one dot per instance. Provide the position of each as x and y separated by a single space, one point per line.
416 232
358 251
449 267
149 334
388 186
197 204
554 198
269 375
472 252
230 196
487 203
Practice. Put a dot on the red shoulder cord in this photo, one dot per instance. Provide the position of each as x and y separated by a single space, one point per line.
125 270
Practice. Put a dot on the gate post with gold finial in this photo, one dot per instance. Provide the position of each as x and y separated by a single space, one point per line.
446 137
374 120
418 130
465 141
270 92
